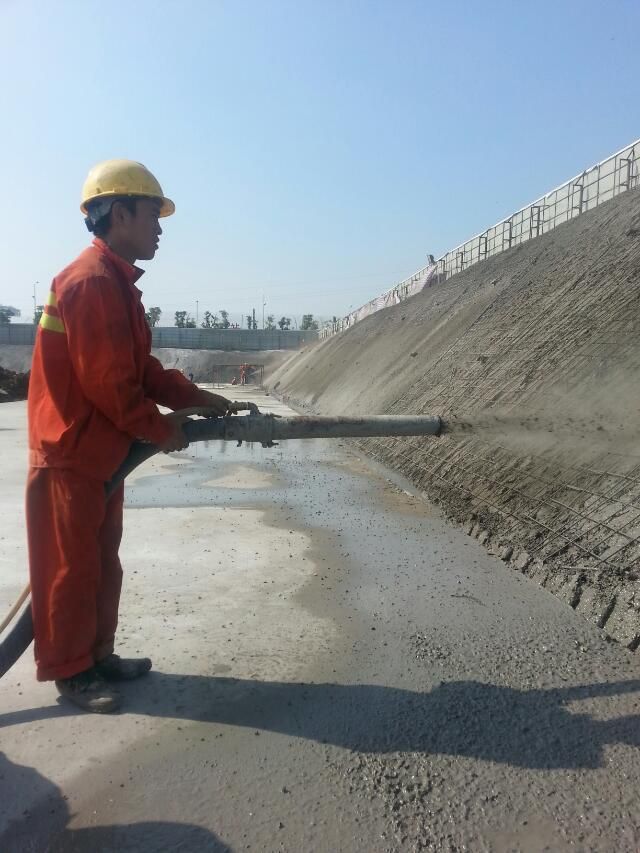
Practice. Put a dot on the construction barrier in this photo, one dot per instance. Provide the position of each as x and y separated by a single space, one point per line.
212 339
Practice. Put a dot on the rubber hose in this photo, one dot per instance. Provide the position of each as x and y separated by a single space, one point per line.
19 638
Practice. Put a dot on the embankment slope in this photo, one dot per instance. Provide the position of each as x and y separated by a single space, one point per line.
534 357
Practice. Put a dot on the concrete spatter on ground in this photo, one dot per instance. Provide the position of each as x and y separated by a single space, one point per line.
496 688
240 477
231 595
396 689
533 357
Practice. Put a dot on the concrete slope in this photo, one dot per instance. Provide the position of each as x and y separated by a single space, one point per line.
533 355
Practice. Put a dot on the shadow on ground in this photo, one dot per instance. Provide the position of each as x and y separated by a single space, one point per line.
523 728
44 827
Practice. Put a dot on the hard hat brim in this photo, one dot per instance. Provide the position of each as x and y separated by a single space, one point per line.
167 208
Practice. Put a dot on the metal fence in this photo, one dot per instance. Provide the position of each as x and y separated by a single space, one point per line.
216 339
231 339
18 333
599 183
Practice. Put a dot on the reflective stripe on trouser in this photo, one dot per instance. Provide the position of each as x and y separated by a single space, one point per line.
74 535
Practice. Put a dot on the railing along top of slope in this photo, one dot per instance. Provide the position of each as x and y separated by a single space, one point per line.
586 190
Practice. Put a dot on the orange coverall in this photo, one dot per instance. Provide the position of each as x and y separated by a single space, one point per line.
93 389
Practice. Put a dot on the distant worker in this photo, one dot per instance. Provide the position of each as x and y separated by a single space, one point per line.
93 391
246 371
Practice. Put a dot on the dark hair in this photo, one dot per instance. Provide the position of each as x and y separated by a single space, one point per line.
102 226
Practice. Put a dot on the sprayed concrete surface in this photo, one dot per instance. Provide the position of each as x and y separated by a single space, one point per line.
336 668
535 351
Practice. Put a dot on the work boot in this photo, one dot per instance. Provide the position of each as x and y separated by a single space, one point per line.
115 668
89 691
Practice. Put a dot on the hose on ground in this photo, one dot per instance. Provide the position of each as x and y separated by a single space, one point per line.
19 638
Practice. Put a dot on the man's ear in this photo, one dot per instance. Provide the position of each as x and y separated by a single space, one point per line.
120 215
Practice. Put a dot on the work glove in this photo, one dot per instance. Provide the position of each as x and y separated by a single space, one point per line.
177 440
219 405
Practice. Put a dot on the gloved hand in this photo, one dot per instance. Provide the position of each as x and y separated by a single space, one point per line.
177 440
219 405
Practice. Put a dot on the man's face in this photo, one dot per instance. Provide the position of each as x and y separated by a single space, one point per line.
140 232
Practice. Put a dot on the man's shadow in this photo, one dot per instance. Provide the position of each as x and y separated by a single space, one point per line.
523 728
43 824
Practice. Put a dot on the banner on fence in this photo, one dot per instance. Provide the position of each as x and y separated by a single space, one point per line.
392 297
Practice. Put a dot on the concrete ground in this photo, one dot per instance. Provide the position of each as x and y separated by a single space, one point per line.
335 669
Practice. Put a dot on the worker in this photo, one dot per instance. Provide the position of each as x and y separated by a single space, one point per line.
93 391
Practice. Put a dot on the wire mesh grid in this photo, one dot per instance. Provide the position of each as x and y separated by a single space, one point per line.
591 517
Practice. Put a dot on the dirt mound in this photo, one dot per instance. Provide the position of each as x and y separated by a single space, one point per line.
533 357
13 386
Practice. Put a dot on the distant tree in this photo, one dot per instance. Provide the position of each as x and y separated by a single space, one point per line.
210 321
271 322
184 320
153 316
224 319
284 323
308 323
38 314
6 313
251 323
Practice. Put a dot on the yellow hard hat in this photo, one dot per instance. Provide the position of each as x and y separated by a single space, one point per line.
123 177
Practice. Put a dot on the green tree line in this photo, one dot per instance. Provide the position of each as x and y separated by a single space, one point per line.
184 320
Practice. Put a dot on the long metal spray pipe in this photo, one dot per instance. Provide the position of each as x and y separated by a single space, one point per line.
255 427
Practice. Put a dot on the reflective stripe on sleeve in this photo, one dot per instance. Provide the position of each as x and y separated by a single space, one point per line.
52 324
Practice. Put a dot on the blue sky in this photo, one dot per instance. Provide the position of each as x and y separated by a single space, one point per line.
316 151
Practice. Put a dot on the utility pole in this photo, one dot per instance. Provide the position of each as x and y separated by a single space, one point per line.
263 304
254 325
34 298
196 312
